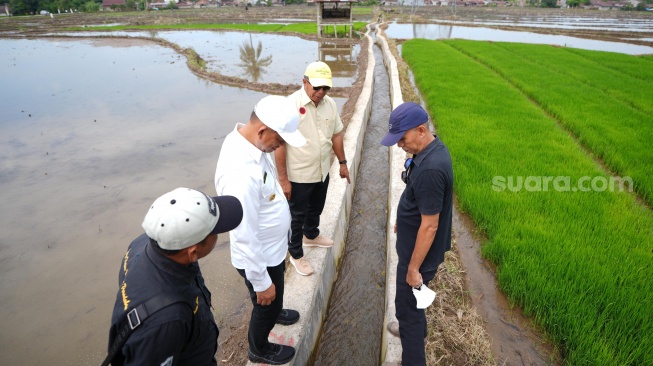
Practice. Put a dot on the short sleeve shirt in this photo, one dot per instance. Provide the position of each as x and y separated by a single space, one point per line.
429 191
311 163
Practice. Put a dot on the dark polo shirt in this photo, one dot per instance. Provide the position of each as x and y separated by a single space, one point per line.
429 191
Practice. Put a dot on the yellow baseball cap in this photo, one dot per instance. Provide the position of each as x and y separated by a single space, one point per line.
318 74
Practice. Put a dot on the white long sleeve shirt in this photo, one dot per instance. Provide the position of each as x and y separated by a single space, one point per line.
261 239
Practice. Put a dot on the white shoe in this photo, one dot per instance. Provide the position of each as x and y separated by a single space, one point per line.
393 328
302 266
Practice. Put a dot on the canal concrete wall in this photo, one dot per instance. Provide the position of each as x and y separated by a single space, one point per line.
391 345
310 294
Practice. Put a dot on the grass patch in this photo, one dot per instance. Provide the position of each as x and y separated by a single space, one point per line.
305 28
579 263
246 27
583 100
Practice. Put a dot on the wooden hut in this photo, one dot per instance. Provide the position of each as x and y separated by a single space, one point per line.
334 13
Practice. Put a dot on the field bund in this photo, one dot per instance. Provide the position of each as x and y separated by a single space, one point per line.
537 134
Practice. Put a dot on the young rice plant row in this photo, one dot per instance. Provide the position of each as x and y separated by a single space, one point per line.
579 262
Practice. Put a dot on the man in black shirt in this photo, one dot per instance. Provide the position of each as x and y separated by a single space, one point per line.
423 224
180 228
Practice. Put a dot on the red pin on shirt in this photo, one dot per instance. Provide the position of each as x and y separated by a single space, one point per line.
302 110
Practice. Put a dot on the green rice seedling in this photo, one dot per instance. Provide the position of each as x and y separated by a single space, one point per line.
635 92
305 28
639 67
246 27
311 28
579 261
617 133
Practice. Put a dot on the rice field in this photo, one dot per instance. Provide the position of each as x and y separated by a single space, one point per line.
303 28
537 135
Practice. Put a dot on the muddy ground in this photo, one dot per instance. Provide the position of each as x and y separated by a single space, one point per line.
457 335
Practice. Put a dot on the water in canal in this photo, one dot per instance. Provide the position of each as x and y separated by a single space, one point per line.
352 330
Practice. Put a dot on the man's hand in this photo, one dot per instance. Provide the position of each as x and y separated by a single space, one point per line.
266 297
344 172
286 187
414 278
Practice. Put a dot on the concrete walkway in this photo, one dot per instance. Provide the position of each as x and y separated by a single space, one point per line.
310 294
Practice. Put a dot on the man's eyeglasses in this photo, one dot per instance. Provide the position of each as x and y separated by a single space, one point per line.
316 88
407 165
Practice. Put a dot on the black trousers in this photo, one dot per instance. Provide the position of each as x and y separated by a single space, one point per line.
264 317
306 205
412 321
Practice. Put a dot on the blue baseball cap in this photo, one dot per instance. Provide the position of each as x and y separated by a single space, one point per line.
408 115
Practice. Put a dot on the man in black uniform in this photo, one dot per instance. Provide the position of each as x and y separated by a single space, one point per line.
423 224
180 227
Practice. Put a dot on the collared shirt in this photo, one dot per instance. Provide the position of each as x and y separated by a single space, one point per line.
311 163
261 239
179 334
429 191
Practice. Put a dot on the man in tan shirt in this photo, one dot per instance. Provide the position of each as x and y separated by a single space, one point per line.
304 171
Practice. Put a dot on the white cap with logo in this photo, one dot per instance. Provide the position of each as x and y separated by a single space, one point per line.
280 114
184 217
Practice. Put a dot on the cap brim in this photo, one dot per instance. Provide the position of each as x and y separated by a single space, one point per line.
231 214
294 139
320 82
392 138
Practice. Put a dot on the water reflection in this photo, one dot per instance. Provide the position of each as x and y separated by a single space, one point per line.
440 31
91 132
252 62
339 57
221 51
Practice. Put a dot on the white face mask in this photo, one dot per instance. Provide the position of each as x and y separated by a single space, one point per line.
424 296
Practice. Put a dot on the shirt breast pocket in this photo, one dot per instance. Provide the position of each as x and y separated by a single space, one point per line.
268 187
327 125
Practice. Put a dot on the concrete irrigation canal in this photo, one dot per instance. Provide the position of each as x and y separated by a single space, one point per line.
350 299
353 326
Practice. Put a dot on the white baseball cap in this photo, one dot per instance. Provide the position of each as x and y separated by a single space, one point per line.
184 217
281 115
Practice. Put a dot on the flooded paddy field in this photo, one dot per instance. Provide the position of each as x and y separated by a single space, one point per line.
478 33
235 54
89 139
634 27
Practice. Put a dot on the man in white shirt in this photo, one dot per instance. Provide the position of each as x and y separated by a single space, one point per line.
304 171
259 244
